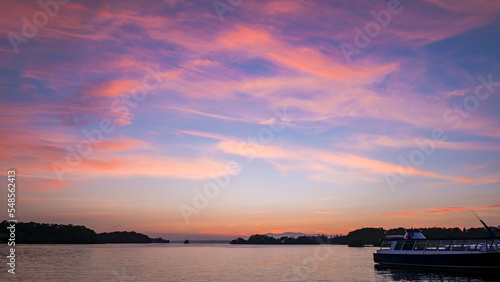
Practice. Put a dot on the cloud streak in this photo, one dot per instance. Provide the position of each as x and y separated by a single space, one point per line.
441 210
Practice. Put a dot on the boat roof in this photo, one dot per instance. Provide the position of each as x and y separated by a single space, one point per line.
440 239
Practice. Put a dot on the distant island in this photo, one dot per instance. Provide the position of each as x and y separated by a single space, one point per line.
368 236
45 233
301 240
159 240
123 237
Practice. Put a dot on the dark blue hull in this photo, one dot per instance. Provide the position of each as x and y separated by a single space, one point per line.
474 260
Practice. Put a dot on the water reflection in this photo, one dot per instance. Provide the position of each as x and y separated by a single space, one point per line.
406 273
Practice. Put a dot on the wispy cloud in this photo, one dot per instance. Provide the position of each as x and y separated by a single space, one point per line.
441 210
324 163
205 134
87 213
374 142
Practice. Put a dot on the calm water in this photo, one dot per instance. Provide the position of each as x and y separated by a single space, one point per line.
211 262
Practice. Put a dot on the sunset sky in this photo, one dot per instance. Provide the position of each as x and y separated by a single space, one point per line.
193 119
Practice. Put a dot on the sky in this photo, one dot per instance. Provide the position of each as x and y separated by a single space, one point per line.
223 119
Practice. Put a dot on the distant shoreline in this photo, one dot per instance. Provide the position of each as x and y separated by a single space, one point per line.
44 233
367 236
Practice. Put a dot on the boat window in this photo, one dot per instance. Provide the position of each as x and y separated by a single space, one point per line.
445 245
408 245
399 244
475 246
432 245
386 245
491 245
420 245
460 245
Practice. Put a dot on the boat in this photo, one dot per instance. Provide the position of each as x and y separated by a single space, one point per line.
186 242
414 249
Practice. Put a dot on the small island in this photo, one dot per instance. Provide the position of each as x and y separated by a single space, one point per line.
123 237
265 239
159 240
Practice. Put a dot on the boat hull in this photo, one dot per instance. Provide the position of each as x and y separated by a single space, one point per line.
477 260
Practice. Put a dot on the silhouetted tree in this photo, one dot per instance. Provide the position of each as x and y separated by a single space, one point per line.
44 233
123 237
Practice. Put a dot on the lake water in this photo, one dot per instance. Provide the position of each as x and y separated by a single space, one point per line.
212 262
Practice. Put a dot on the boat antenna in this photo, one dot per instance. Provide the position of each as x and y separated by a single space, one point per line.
492 234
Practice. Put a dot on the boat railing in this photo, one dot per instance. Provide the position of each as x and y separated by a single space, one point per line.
458 245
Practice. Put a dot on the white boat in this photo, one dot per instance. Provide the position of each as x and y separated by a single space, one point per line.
416 250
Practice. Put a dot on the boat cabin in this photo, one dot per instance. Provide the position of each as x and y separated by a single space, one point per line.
414 234
414 249
415 242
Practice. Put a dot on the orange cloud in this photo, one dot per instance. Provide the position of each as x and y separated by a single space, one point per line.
196 112
116 88
303 59
277 7
441 210
86 213
313 62
48 184
205 134
371 142
152 166
34 150
120 145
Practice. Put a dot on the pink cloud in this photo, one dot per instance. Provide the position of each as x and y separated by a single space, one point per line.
373 142
312 62
46 184
36 149
324 164
307 60
276 7
205 134
87 213
150 166
201 113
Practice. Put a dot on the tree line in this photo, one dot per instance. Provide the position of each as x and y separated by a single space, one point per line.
46 233
369 236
